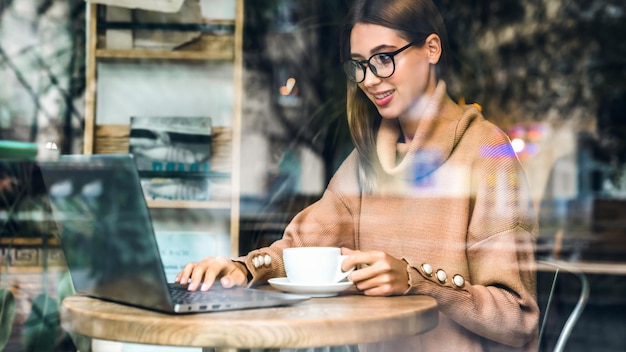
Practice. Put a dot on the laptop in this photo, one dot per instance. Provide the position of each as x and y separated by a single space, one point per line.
110 246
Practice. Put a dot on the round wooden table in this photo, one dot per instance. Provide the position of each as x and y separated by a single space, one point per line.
342 320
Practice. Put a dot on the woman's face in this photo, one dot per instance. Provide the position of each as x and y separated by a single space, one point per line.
414 73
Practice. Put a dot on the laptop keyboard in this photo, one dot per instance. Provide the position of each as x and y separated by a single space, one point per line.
180 294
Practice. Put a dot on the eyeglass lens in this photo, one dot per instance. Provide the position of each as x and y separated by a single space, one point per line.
382 65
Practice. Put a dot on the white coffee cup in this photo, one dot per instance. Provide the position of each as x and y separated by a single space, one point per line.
314 265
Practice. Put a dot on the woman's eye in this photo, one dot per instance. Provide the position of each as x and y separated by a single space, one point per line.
383 58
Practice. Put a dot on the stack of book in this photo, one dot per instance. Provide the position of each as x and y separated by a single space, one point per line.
221 149
173 156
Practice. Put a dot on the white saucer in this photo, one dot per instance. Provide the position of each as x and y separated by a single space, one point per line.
312 290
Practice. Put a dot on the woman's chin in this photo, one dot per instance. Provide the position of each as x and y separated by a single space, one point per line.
388 113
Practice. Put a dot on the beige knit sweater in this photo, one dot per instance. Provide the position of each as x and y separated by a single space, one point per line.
454 198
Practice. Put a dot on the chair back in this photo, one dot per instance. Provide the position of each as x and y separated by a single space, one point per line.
555 275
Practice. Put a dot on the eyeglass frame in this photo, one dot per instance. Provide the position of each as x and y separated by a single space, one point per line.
362 63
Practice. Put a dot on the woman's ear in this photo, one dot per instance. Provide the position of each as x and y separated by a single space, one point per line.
433 43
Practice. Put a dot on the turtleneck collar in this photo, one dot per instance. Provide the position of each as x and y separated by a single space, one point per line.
434 139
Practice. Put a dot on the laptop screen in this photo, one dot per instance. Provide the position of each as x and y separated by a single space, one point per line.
105 229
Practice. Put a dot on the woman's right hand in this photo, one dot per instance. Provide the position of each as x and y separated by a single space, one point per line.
204 273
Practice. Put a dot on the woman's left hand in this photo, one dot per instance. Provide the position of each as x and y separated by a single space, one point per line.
379 273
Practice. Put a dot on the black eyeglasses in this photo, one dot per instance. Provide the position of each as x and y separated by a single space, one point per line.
381 65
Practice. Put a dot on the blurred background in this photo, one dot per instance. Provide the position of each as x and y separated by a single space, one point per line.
550 73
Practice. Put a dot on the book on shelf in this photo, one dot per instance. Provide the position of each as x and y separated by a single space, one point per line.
186 188
181 158
193 189
171 144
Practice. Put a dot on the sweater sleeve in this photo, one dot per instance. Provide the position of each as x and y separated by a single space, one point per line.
498 298
331 221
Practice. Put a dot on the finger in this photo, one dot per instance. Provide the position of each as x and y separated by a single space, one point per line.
210 273
384 290
183 277
374 274
217 267
203 275
358 259
234 278
196 276
208 281
362 277
346 265
367 281
347 251
239 275
376 280
365 285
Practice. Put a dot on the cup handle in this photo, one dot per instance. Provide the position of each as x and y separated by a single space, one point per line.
341 275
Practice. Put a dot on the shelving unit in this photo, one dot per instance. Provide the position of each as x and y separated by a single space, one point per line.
211 61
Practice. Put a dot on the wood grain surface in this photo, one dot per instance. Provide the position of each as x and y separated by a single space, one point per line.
345 319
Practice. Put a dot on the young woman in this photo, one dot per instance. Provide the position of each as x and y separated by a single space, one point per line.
432 201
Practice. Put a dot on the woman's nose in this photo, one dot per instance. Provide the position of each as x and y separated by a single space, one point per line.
370 78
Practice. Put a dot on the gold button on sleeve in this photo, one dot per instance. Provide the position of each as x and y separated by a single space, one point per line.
442 276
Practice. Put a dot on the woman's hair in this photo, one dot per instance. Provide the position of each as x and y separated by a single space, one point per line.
414 20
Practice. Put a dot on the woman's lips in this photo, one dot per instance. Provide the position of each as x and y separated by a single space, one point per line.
383 98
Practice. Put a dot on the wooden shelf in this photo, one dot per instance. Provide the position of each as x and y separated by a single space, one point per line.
55 269
27 241
189 204
146 54
205 47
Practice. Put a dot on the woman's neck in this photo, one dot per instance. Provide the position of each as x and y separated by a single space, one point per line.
422 109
